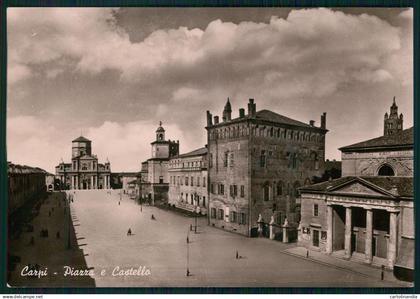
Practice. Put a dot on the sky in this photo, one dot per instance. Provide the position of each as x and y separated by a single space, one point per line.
112 74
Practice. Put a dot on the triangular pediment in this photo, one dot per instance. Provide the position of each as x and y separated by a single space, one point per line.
360 187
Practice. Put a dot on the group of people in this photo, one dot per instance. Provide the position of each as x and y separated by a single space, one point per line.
129 232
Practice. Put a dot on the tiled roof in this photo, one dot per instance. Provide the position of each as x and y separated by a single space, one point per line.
278 118
198 152
404 185
81 139
16 168
404 138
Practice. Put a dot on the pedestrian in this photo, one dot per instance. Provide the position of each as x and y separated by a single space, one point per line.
129 232
153 217
141 208
307 253
382 272
119 203
237 254
188 240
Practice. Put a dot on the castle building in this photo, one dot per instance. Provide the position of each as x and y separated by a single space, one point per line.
154 183
84 171
256 162
367 215
188 181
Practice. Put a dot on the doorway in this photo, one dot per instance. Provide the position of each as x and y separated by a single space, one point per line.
315 238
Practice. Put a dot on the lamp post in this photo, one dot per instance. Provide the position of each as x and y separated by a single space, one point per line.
188 253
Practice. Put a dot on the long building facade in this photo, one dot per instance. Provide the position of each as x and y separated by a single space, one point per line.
256 163
188 181
368 214
84 171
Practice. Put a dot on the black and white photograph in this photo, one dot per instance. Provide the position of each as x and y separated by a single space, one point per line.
251 147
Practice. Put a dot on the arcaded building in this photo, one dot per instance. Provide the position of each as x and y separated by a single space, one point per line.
256 163
154 177
188 181
84 171
368 214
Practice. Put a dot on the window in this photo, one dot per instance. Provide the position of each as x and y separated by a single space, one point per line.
161 180
221 214
232 160
225 161
192 181
266 192
242 218
386 170
221 189
204 182
210 160
198 182
186 181
233 217
182 197
212 188
204 201
186 197
235 190
213 213
315 210
262 159
192 199
242 191
279 188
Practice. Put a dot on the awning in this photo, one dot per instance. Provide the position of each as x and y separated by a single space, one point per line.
405 258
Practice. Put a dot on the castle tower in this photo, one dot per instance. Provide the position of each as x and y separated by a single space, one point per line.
227 111
81 146
393 123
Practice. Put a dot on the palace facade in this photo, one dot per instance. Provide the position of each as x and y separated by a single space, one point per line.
188 181
84 171
256 163
368 214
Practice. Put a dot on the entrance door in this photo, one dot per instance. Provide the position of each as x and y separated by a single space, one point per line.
315 238
374 240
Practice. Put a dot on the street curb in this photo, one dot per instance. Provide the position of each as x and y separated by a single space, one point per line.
339 267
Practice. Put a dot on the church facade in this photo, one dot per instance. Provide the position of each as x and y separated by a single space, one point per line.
256 163
368 214
84 171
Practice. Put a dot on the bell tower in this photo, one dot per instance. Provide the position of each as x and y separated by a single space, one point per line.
393 123
160 133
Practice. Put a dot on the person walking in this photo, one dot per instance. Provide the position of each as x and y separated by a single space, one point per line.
129 232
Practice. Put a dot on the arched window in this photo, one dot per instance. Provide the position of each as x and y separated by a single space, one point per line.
280 188
386 170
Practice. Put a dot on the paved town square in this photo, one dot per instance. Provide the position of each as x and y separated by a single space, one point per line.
160 246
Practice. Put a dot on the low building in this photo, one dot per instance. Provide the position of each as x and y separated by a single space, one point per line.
368 214
84 171
188 181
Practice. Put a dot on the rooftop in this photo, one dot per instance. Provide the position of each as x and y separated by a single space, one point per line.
81 139
198 152
403 139
404 185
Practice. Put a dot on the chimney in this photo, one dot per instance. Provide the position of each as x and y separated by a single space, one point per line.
216 120
323 120
312 123
252 109
209 119
241 113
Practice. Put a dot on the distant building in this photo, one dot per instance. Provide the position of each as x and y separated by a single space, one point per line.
368 214
84 171
154 188
256 163
25 183
188 181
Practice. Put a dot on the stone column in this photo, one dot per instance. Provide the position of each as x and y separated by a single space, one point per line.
96 181
369 236
91 182
330 212
72 182
347 237
77 182
108 182
392 245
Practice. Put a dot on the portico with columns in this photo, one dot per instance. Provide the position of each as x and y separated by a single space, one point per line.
355 218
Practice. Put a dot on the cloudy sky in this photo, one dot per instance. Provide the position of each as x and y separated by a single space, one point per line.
113 74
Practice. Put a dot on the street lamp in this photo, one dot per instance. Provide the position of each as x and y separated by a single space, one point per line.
188 253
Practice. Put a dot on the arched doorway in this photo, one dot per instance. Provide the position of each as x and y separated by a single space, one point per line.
386 170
